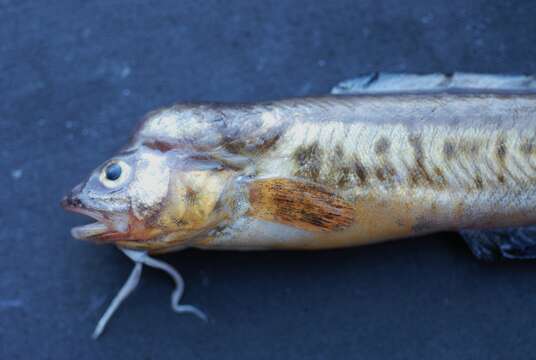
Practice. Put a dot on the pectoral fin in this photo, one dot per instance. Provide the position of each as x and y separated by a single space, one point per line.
299 204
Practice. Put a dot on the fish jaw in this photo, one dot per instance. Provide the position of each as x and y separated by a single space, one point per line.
84 232
104 229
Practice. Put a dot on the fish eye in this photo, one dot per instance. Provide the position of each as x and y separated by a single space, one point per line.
113 171
114 174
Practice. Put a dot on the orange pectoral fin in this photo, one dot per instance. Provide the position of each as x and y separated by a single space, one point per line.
299 204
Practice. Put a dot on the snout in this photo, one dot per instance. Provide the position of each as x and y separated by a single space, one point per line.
72 199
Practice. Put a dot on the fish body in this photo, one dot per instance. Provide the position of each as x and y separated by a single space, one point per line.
325 172
406 164
385 156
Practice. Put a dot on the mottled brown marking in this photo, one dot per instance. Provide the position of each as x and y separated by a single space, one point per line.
380 174
190 197
268 144
385 173
449 150
469 147
390 171
339 173
439 176
261 145
339 152
179 223
159 145
418 173
527 147
299 204
361 172
416 143
501 151
501 178
308 160
382 146
344 176
479 183
438 172
234 146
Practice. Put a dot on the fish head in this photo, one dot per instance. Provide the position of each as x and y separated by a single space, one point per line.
149 199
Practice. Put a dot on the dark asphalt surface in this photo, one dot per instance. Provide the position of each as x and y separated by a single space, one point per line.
75 77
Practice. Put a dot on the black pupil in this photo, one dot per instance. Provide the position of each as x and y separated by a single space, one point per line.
113 172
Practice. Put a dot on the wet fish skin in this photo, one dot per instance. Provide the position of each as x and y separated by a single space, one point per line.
411 163
403 163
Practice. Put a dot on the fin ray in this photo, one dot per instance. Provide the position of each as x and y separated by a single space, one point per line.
508 243
300 204
400 82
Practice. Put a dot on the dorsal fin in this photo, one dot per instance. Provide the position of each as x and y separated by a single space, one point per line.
398 82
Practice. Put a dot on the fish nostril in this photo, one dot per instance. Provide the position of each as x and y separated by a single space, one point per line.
74 201
70 201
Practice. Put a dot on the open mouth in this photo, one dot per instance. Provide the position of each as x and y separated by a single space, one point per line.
103 229
83 232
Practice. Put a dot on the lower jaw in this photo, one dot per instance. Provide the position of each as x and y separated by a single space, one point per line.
103 230
89 231
152 247
157 242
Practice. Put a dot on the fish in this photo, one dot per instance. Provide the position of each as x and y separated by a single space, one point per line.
385 156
